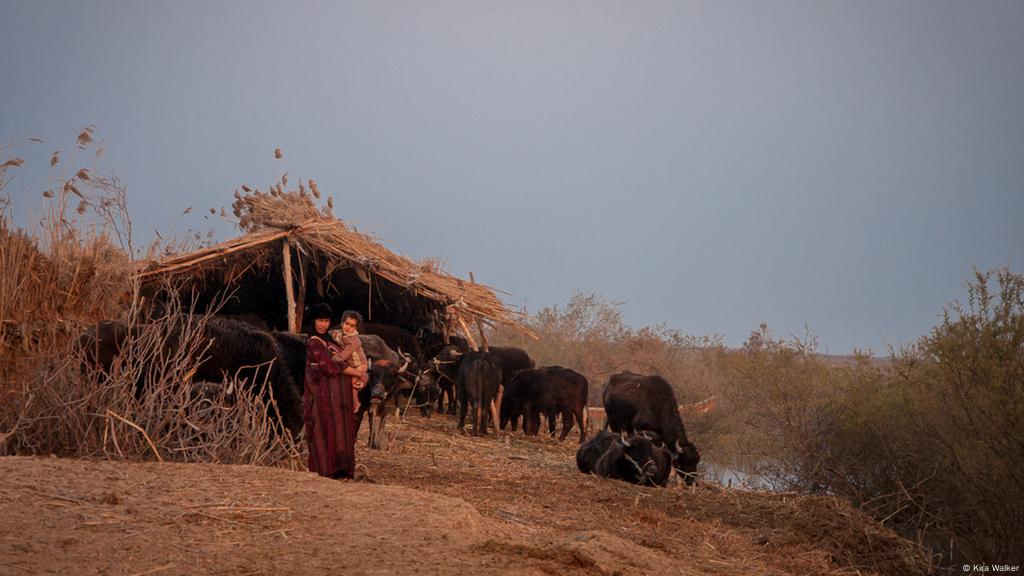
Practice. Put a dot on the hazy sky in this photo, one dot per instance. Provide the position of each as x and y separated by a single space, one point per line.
712 165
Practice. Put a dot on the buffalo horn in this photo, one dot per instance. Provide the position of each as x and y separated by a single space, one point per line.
408 360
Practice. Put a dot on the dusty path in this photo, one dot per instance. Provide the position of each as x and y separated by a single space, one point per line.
435 503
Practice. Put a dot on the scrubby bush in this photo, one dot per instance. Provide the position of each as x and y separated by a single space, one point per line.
929 441
931 445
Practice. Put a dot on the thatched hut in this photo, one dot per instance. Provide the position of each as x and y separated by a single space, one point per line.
293 254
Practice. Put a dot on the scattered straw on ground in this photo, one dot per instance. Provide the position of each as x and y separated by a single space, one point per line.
434 502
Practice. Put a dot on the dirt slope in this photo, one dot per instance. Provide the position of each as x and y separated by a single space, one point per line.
435 502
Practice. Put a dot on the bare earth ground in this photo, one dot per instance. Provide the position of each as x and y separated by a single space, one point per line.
434 502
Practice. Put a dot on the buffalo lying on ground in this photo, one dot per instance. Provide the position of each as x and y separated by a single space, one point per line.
224 349
478 383
640 458
633 403
551 391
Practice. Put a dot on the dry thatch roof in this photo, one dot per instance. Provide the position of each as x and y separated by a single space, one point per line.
278 215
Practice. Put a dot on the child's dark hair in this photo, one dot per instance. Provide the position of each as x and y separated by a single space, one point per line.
352 314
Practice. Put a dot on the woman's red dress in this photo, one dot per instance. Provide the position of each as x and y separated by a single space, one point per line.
328 411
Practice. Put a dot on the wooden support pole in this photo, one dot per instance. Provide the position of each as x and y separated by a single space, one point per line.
288 290
483 337
300 302
480 324
469 335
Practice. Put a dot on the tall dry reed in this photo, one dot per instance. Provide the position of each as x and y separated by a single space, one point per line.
72 269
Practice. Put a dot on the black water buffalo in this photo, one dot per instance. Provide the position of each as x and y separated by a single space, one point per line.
445 368
551 391
425 392
591 451
513 360
376 348
633 402
225 349
396 337
231 348
291 350
640 458
422 346
101 344
478 382
423 388
250 319
387 382
446 365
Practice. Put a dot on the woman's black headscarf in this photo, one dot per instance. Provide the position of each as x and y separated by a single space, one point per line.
317 311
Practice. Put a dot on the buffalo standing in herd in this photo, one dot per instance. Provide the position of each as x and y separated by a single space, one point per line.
647 438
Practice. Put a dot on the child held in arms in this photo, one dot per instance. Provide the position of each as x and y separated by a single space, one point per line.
355 363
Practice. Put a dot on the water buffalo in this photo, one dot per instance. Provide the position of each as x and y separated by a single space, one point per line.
387 382
445 368
376 349
447 362
224 349
633 402
591 451
396 337
425 392
430 385
478 382
552 391
101 344
422 388
291 350
640 458
236 349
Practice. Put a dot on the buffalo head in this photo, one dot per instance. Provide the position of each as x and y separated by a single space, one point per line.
686 456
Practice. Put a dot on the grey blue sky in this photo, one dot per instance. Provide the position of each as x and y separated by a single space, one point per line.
713 165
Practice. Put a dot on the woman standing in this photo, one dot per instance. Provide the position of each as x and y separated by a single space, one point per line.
327 402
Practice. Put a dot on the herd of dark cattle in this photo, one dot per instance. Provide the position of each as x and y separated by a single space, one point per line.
642 442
